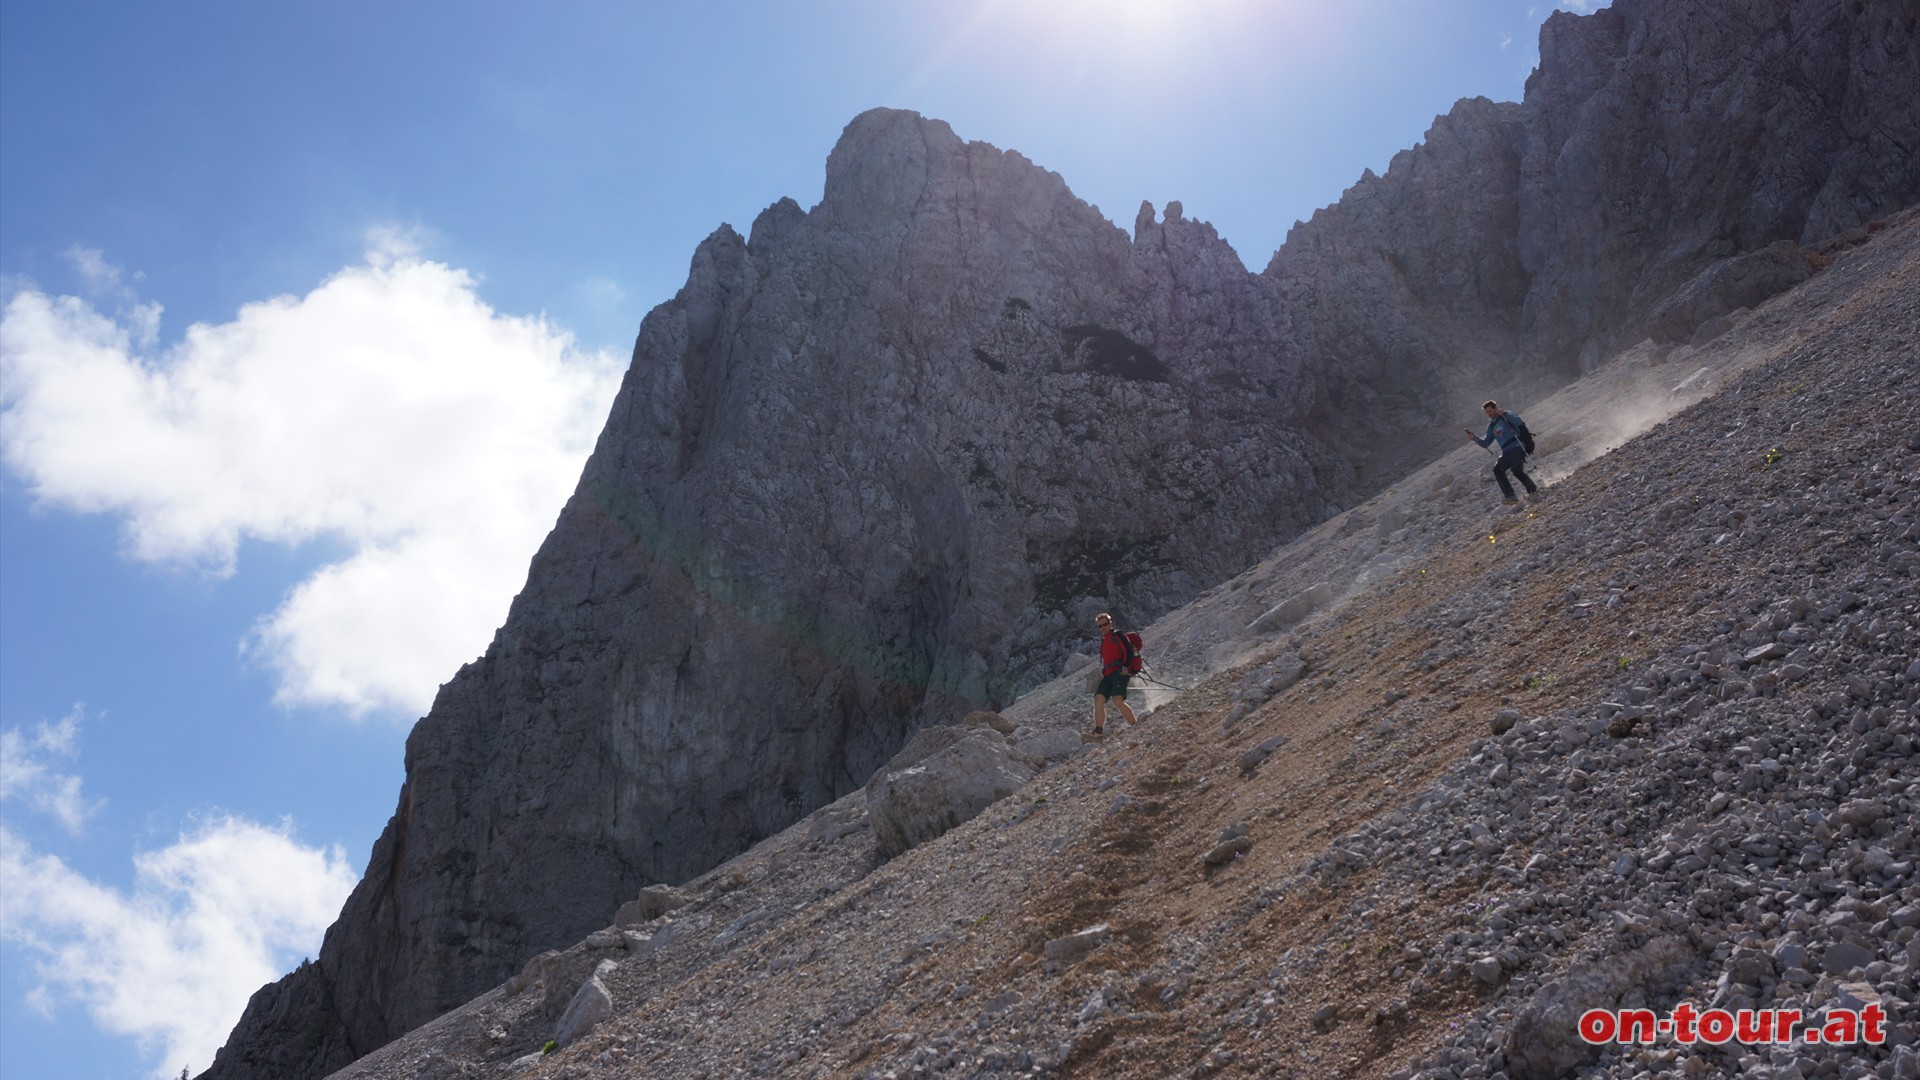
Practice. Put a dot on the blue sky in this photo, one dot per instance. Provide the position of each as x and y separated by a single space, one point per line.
312 312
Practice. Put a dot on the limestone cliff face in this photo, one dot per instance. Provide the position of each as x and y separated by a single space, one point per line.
876 464
881 461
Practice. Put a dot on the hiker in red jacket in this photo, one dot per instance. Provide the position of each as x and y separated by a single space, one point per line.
1113 675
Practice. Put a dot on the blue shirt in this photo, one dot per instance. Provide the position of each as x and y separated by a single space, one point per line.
1505 427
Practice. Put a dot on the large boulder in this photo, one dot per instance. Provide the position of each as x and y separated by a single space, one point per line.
945 777
590 1005
1544 1042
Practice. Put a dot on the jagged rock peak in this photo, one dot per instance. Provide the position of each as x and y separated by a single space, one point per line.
889 162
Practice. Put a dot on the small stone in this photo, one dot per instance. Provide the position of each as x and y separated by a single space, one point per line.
1226 850
1843 956
1860 813
1855 995
1504 720
1487 970
1000 1003
1064 952
1254 757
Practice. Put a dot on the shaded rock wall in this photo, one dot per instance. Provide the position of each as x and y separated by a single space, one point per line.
1534 240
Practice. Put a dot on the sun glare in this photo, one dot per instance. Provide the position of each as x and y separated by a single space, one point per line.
1142 41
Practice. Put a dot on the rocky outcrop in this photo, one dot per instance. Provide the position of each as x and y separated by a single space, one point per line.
307 1037
879 462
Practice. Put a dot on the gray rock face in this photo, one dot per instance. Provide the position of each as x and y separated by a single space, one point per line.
879 462
311 1042
1655 139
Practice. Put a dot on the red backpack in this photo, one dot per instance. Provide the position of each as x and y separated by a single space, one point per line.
1134 661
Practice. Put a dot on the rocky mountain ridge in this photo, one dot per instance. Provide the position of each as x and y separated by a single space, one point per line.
878 461
1653 739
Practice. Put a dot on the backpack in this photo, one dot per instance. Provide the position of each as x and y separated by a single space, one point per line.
1134 661
1520 430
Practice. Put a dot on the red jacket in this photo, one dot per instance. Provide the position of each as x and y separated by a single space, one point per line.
1113 653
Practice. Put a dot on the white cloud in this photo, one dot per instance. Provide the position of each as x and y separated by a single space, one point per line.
105 282
101 277
599 294
389 408
231 906
1584 7
1506 40
27 773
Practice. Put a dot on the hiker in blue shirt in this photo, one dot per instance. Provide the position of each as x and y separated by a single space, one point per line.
1509 430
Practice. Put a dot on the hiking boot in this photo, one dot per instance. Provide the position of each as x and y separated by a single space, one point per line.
1536 495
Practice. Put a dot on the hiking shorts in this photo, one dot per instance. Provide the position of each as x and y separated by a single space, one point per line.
1113 686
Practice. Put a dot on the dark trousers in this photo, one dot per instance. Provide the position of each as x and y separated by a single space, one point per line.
1516 462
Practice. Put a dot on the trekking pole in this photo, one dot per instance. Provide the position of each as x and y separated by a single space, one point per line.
1146 676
